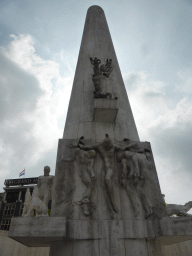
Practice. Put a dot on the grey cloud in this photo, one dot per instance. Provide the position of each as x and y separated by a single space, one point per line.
174 144
132 80
19 90
154 95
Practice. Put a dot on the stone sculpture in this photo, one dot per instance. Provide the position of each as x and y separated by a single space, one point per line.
140 184
133 163
37 206
44 186
107 152
27 202
179 210
100 78
40 197
134 178
96 62
86 161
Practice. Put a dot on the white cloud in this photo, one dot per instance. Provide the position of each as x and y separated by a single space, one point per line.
147 98
168 127
34 96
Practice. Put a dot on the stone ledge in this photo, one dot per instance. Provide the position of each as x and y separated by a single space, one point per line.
99 229
176 226
175 230
105 110
38 231
168 240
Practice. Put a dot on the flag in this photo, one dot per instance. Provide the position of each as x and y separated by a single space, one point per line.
22 173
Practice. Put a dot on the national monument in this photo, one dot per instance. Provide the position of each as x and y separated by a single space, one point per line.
106 198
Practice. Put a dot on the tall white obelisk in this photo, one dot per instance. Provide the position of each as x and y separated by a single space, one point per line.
110 208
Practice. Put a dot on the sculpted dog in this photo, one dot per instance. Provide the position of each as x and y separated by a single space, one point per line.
178 209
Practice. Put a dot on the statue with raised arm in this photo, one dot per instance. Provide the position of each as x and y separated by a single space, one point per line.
107 152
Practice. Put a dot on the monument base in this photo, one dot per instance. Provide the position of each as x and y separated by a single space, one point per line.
107 247
101 237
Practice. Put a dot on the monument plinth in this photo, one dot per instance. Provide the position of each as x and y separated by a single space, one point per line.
105 184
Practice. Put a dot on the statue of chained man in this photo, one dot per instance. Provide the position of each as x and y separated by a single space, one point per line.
107 151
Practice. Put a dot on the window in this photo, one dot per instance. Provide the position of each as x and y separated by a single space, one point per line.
12 196
5 224
9 209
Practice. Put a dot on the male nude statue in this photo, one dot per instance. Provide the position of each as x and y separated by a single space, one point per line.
40 197
44 186
107 152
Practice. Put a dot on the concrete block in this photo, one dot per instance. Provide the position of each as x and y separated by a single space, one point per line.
38 231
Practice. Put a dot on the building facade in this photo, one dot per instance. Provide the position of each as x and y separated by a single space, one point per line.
13 198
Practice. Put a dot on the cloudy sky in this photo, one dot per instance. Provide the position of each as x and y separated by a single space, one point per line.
39 45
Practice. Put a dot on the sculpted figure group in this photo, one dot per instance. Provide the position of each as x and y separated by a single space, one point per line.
100 77
135 178
134 165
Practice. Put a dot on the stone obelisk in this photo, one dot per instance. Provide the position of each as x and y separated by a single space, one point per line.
105 182
81 117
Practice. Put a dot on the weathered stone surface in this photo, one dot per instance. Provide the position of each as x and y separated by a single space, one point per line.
105 110
39 231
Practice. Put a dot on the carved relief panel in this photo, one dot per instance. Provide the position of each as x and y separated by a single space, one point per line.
106 180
